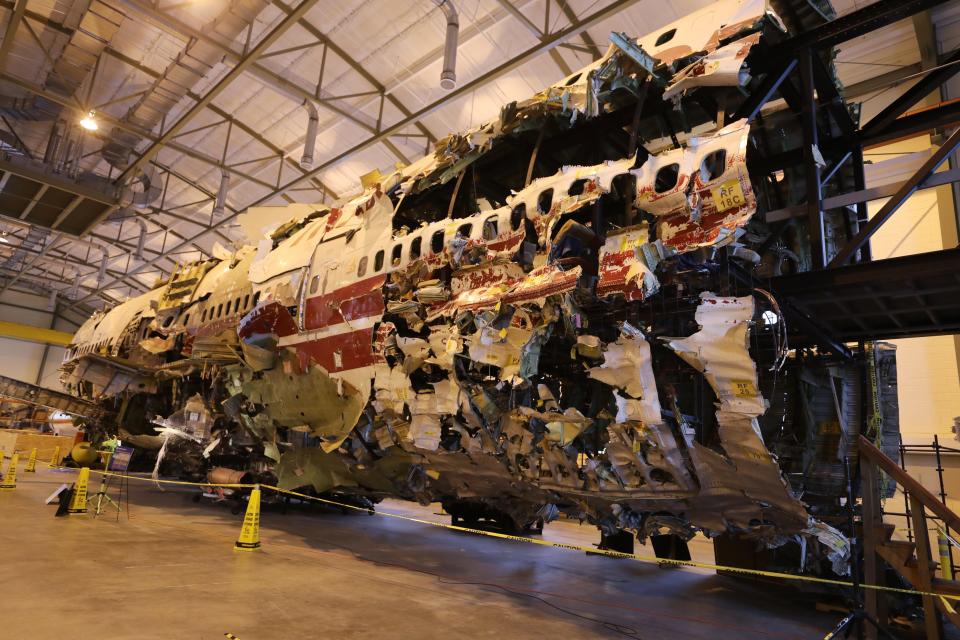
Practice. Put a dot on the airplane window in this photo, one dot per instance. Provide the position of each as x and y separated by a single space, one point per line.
167 321
545 201
219 309
314 285
246 301
256 298
517 215
203 316
436 242
712 166
490 228
572 80
395 255
465 230
236 305
666 178
665 37
186 319
378 261
362 268
415 248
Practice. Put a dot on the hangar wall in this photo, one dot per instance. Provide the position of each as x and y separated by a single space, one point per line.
31 361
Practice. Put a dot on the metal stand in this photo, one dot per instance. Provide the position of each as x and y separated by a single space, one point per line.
101 496
854 621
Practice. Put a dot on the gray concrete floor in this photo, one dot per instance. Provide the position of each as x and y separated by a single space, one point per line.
169 571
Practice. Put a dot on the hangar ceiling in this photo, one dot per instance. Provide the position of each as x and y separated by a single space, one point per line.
184 92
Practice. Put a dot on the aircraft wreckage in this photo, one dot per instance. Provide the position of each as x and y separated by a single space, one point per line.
537 318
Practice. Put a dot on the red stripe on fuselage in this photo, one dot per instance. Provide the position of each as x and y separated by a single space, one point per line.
341 352
361 299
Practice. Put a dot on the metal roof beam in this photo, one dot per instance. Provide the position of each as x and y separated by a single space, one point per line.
502 69
245 62
541 47
8 36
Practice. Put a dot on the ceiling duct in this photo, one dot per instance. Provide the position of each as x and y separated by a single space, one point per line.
220 203
448 77
150 189
310 143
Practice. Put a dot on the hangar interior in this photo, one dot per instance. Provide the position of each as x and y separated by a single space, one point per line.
620 317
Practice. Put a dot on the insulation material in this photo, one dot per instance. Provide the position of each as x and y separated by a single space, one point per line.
391 388
627 366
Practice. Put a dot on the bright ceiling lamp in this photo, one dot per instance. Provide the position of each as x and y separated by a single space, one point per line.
89 122
3 238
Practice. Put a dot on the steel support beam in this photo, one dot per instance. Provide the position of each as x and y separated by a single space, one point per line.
242 65
855 24
895 202
506 67
11 31
926 85
808 116
553 41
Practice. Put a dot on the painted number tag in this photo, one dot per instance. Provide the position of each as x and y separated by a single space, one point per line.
744 388
729 195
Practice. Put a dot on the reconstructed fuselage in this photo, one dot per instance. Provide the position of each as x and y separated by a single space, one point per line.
538 317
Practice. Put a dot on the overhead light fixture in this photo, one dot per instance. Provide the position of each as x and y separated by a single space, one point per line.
3 238
89 121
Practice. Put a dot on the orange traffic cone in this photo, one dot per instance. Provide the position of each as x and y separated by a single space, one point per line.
250 533
10 480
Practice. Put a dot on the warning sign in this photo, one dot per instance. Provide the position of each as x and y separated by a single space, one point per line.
728 195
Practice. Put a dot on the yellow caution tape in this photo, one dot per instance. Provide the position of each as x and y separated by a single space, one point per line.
547 543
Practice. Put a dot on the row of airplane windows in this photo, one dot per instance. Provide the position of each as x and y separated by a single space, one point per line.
414 243
667 178
223 310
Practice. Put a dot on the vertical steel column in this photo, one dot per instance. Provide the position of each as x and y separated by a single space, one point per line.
859 184
808 117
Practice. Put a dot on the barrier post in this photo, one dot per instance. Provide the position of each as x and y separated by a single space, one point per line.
55 459
250 532
944 546
9 481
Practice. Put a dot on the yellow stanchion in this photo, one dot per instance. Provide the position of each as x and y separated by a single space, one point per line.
79 502
55 459
250 532
31 462
944 545
10 480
